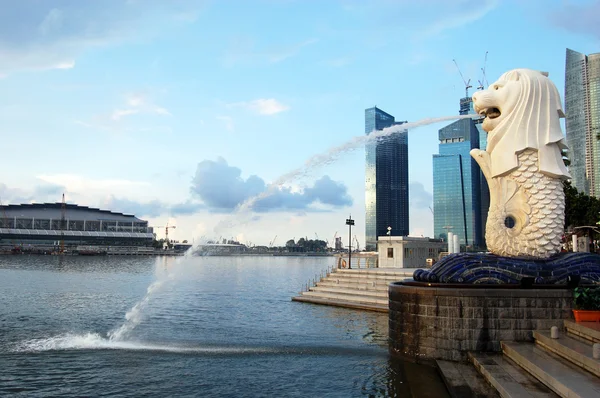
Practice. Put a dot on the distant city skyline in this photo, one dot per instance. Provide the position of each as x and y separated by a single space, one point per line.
180 111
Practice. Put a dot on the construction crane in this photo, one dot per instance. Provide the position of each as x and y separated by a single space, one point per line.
357 245
316 236
483 82
467 82
271 243
167 227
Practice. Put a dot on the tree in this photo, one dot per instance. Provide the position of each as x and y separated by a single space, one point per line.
158 244
580 209
290 243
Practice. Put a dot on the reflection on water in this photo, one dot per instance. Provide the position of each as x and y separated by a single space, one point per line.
216 327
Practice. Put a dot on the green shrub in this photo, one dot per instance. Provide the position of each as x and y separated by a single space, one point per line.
587 298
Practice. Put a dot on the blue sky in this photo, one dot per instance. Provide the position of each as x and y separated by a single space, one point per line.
177 111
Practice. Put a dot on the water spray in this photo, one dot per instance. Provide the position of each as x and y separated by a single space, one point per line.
323 159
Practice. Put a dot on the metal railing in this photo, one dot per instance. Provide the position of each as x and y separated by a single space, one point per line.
318 278
359 261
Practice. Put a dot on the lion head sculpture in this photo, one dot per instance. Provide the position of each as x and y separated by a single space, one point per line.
522 110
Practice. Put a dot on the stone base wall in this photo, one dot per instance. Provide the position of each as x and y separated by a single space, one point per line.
428 323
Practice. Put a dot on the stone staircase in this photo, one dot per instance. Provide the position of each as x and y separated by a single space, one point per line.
548 367
365 288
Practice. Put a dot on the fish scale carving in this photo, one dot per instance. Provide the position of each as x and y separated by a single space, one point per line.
540 236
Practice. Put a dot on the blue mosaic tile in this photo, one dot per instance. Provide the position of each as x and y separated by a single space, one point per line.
492 269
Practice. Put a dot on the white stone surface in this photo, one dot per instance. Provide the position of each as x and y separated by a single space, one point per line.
407 251
523 164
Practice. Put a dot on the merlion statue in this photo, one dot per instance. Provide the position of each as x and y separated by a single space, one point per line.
523 164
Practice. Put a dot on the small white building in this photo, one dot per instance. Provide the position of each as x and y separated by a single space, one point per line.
408 251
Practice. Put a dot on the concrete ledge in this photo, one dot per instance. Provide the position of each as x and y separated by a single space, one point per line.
575 351
462 381
507 377
562 377
428 323
343 304
587 330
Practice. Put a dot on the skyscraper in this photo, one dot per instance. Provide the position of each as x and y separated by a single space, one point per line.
460 193
582 110
386 179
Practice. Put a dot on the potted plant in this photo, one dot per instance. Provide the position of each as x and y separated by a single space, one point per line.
587 304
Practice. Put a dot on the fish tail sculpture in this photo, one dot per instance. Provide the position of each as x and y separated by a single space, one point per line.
523 164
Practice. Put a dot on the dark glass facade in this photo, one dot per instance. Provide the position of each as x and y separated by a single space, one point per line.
386 179
582 110
460 193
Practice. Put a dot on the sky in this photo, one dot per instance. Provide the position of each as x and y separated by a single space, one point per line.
203 114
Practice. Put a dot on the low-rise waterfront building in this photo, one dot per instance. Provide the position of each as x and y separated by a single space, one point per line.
408 251
47 224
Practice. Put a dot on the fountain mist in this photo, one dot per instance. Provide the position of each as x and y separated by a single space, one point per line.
136 314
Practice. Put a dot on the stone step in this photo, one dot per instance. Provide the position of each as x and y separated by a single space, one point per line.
356 285
404 273
367 276
370 293
341 303
463 381
587 330
576 351
507 377
562 377
348 297
334 279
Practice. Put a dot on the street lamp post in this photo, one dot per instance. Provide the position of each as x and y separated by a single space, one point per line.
389 233
349 223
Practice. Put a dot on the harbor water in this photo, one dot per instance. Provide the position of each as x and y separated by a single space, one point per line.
195 327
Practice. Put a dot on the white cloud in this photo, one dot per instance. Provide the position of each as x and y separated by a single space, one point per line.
141 103
52 22
338 62
262 106
88 190
242 50
135 104
161 111
119 113
79 183
64 65
228 120
280 54
457 18
51 34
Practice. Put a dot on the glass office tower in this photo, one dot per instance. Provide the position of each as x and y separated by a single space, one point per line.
386 179
582 110
460 201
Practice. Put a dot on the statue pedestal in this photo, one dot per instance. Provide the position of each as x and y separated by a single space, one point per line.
433 322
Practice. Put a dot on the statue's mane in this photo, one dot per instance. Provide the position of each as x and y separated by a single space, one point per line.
533 123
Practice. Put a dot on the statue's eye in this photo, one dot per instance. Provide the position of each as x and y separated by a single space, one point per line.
496 87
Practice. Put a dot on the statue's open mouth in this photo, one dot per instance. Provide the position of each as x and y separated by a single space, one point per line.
490 113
